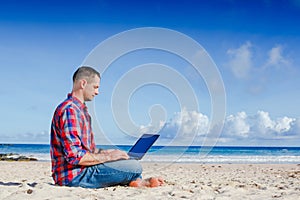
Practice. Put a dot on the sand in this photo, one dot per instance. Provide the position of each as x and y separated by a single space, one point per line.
32 180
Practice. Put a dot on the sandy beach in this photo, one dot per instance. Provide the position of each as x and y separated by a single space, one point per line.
32 180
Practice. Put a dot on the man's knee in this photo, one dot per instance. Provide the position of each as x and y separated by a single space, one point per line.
136 165
132 166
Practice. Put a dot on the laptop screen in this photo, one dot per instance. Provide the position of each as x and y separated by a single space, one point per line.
142 145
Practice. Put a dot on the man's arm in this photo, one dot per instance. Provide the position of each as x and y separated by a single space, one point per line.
72 146
104 156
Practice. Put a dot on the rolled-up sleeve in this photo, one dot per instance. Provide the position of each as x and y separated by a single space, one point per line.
71 132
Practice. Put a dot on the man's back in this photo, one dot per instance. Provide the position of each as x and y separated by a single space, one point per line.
71 139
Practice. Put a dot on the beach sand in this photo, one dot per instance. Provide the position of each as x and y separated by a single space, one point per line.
32 180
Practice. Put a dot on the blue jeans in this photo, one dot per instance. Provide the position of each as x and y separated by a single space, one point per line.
119 172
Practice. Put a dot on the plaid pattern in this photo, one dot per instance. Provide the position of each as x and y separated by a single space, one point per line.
71 139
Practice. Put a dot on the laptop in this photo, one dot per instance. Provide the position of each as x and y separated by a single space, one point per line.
140 148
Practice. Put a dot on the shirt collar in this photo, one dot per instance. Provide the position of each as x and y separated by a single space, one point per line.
77 102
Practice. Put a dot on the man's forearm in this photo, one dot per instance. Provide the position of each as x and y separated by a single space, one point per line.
93 159
97 150
104 156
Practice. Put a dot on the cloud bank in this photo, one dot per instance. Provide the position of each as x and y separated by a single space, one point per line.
260 126
239 127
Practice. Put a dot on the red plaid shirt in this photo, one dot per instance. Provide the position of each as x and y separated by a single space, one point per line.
71 139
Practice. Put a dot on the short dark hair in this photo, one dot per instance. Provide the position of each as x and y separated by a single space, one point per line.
85 72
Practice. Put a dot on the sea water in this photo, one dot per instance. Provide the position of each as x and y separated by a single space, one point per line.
182 154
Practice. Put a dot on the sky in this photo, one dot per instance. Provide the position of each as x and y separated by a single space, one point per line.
253 45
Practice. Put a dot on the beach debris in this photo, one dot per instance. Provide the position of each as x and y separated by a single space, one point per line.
294 174
183 197
217 190
281 187
240 186
278 195
172 193
29 191
170 182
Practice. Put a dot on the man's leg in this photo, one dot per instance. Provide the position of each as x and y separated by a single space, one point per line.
119 172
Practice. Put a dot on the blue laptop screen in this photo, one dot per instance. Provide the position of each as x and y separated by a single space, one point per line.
142 145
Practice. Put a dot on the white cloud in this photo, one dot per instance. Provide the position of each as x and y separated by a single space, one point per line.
295 127
151 128
190 122
284 124
276 57
259 126
241 60
183 124
239 127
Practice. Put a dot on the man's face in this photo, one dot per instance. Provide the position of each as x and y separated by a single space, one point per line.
91 89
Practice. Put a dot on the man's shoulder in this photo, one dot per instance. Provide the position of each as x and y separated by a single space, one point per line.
66 104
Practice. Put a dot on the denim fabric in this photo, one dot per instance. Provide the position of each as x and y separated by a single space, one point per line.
119 172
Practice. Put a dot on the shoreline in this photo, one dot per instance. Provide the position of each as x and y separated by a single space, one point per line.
32 180
182 154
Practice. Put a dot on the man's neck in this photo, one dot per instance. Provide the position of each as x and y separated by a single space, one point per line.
78 95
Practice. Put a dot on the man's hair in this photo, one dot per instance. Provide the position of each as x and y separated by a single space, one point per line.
85 72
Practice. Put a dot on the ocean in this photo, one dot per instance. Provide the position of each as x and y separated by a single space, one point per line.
181 154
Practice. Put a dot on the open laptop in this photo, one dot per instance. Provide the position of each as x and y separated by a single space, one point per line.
140 148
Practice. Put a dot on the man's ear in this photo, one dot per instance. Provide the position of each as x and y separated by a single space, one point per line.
83 83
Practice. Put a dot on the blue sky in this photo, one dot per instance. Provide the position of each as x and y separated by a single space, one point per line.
254 44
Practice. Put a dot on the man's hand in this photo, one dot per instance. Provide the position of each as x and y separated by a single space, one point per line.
102 157
114 154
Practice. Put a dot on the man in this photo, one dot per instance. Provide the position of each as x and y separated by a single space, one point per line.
75 159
